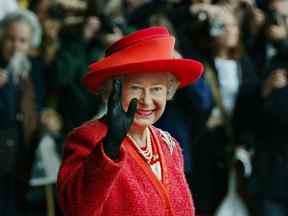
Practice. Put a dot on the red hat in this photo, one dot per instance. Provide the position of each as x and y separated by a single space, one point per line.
147 50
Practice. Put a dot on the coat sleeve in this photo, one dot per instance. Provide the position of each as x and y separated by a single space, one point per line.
86 176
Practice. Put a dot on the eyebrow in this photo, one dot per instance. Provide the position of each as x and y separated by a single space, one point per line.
153 84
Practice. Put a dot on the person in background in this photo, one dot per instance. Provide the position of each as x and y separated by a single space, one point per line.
70 64
271 39
261 122
212 99
121 164
20 105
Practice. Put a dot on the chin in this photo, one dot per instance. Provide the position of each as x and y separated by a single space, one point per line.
143 123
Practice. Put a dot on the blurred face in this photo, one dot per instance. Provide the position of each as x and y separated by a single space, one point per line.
42 8
91 27
151 91
279 6
230 36
17 38
132 4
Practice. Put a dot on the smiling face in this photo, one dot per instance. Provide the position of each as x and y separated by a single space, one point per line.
151 91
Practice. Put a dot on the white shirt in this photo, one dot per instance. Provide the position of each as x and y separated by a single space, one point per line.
229 81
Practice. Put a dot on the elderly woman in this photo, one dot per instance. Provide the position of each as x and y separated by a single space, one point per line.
121 164
19 32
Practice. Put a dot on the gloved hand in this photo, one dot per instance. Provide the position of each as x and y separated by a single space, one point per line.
118 121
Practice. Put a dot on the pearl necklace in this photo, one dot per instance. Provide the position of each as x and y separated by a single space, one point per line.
146 152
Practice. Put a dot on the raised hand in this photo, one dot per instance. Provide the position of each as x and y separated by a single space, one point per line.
118 121
277 79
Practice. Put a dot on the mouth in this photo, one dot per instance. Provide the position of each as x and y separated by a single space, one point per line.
144 113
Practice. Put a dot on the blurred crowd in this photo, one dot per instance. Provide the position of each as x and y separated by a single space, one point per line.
233 119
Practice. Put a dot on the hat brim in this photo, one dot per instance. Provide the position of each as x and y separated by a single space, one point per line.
185 70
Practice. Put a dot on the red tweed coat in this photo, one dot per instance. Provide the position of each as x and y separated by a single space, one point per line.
91 184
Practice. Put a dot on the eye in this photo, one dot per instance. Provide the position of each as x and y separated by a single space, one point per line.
157 89
135 87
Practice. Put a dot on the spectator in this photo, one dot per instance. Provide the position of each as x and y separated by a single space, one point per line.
75 52
216 32
20 103
271 39
262 122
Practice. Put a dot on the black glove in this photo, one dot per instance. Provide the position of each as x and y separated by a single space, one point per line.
118 121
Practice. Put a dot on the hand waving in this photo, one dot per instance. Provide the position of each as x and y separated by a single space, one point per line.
118 121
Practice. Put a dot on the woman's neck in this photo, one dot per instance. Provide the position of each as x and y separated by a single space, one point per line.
139 135
222 53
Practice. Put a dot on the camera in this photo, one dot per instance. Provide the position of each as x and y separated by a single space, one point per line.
107 24
202 23
216 28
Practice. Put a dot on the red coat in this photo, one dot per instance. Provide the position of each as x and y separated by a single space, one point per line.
91 184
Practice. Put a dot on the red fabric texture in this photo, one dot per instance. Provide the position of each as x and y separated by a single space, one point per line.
91 184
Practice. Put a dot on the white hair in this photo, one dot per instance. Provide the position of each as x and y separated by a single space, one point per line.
27 17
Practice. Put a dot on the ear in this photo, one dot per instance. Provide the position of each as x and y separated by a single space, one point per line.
171 91
172 87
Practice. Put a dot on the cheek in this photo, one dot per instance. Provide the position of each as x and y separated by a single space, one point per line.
233 33
7 50
126 98
23 47
159 110
125 103
160 105
7 45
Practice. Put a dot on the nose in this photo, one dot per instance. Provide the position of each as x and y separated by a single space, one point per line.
146 97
